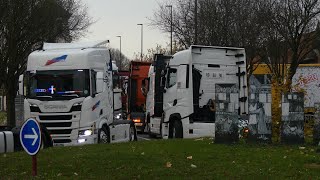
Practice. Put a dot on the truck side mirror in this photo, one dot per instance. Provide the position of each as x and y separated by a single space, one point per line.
21 89
99 82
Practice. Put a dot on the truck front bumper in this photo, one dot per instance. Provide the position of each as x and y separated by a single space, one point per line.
92 139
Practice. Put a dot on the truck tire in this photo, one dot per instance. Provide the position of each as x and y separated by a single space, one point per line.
175 129
132 132
45 137
103 135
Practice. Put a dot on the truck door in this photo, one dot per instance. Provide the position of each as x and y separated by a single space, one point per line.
170 93
184 92
177 98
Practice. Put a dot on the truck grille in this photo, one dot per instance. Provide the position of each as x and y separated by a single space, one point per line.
61 126
60 131
56 117
57 124
62 141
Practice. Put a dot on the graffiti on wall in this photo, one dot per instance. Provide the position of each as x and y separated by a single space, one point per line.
307 81
227 119
260 108
292 125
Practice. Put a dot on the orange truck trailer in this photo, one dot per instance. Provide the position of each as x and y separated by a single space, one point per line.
138 72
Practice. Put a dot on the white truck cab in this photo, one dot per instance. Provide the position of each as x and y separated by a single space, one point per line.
189 90
69 91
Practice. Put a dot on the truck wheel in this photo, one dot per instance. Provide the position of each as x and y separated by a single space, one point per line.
175 129
103 135
151 135
132 133
45 138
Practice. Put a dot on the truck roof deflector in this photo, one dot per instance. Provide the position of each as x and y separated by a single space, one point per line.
94 44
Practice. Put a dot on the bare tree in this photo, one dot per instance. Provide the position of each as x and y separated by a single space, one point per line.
24 26
159 49
238 23
123 62
295 24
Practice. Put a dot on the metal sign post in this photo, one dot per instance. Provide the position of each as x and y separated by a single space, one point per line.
30 138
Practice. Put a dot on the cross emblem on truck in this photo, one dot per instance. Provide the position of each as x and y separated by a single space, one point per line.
51 89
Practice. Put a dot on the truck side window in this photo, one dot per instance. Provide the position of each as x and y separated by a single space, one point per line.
94 81
172 77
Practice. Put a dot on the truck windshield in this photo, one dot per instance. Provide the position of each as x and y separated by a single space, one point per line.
58 84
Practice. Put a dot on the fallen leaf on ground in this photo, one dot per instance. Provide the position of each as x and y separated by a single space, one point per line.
301 147
60 174
200 139
168 165
233 162
75 174
284 157
193 166
189 157
142 153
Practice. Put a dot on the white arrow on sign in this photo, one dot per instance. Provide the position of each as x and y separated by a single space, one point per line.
32 136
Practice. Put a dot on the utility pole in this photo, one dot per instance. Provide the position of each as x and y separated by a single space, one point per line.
141 54
120 55
171 24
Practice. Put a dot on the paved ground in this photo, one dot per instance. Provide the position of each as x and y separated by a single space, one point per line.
145 137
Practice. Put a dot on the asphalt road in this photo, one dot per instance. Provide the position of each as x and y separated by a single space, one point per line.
144 137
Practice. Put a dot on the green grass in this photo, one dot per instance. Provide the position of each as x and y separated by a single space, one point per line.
3 118
148 159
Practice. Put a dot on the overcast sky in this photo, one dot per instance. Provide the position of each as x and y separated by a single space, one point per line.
120 17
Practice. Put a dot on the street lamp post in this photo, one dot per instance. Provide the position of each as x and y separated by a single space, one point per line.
141 40
170 6
120 62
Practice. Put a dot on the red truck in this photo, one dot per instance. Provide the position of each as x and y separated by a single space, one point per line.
136 103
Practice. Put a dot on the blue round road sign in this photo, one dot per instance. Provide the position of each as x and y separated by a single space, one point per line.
30 136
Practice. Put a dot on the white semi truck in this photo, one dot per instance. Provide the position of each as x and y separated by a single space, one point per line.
187 90
69 90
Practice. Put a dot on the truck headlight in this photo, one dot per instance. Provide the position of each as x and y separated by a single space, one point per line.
76 107
117 116
34 108
87 132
